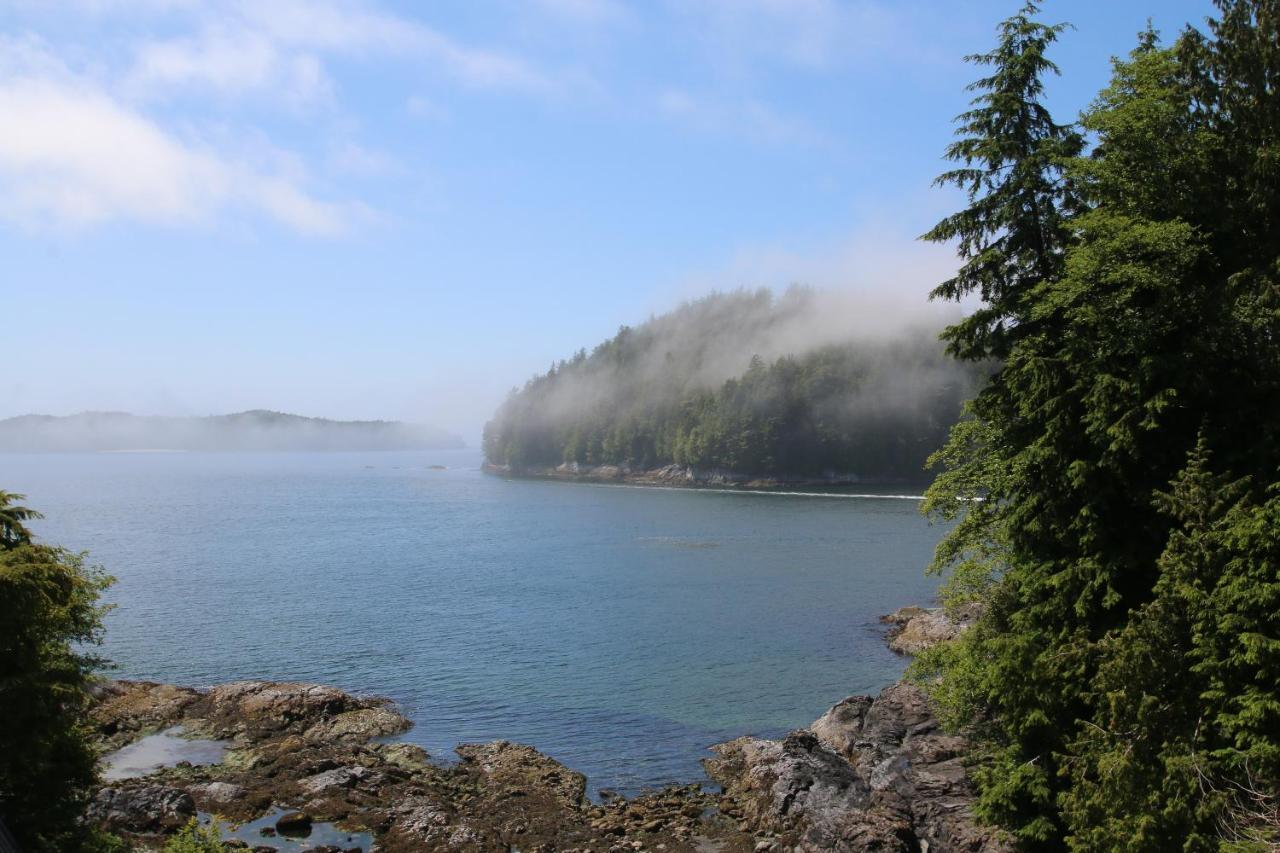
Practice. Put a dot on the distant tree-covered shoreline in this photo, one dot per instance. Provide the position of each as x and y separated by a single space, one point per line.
667 392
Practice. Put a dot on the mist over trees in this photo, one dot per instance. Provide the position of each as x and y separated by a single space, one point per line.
795 385
253 430
1118 480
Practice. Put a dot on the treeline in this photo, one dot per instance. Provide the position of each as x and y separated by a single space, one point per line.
1118 481
697 387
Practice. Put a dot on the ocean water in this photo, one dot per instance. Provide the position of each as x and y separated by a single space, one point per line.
620 630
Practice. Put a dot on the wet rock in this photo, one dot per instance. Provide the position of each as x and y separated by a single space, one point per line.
141 809
293 823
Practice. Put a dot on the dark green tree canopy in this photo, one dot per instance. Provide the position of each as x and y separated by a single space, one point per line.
49 620
1116 483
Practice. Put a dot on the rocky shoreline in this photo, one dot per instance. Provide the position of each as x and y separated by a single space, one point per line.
680 475
870 774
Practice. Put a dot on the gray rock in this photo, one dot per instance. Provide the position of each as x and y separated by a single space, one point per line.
141 809
870 775
216 793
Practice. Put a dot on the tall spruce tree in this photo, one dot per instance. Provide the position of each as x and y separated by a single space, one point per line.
1117 484
1012 155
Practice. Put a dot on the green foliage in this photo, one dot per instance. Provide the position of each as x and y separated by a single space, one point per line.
13 518
49 613
1117 483
656 395
1012 155
194 838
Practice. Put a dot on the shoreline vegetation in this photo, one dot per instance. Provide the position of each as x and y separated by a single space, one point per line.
870 773
680 476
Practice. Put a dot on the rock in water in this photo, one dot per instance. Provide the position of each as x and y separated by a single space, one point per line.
294 824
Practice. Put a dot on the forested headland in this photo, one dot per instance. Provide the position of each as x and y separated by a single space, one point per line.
744 382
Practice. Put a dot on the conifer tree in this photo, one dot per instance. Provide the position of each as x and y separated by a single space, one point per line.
1012 155
1117 481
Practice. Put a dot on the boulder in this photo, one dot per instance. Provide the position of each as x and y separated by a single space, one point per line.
294 823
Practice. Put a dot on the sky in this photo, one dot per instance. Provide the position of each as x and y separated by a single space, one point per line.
401 210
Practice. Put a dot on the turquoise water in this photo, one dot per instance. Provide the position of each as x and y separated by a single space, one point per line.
620 630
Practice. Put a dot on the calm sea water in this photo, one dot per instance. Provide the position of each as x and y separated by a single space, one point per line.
620 630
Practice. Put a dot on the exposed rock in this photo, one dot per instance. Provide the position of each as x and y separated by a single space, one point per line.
307 747
293 823
259 709
359 725
914 629
517 767
870 775
125 710
212 796
141 809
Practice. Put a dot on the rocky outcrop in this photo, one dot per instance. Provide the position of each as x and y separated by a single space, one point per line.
914 629
870 774
310 749
123 711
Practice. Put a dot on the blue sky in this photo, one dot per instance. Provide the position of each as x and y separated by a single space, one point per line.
367 209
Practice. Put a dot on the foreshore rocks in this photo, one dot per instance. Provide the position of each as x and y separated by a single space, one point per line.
869 774
675 475
311 749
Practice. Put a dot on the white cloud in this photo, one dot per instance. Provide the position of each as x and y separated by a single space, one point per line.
230 63
71 154
277 47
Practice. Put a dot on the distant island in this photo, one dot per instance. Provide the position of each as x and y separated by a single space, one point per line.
253 430
741 388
